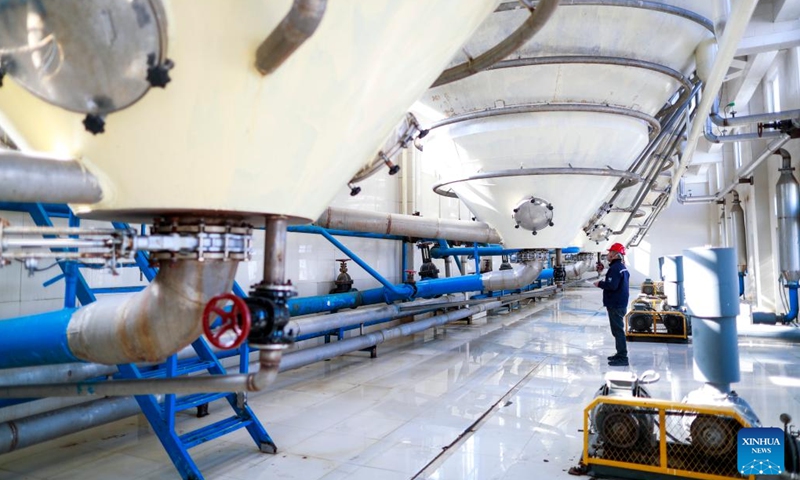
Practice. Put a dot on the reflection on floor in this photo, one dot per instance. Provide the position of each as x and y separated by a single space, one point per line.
499 399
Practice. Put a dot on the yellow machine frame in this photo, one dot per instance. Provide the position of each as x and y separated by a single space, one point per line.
662 406
656 316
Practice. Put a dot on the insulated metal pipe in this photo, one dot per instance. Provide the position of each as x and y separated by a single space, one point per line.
672 274
312 355
738 233
275 250
736 137
712 300
750 119
145 327
296 27
407 225
269 359
537 19
439 252
787 200
30 179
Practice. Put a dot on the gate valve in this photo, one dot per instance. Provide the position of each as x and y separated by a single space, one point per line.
236 320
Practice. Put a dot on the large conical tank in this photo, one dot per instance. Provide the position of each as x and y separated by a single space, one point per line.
222 138
787 199
558 121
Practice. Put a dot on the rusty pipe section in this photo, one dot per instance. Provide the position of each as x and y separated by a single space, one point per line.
154 323
537 19
30 178
296 27
407 225
269 360
512 279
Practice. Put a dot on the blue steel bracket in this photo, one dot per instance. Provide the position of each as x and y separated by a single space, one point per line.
162 417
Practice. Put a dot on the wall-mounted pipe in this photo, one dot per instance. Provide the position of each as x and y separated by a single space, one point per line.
736 137
739 234
728 43
439 252
407 225
743 172
145 327
787 200
537 19
750 119
296 27
269 359
28 178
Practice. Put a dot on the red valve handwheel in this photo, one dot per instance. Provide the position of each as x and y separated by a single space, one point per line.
237 320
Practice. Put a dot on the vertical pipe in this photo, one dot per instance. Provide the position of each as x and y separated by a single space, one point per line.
787 199
711 301
403 262
275 250
738 233
741 284
791 316
71 272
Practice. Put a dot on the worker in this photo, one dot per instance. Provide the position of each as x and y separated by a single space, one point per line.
615 299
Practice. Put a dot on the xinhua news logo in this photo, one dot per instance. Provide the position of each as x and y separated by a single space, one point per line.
760 451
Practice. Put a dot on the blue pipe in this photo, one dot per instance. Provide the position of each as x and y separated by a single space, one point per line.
547 274
36 340
571 250
741 283
442 252
791 315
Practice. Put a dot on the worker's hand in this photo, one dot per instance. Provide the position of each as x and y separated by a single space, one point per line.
599 267
596 284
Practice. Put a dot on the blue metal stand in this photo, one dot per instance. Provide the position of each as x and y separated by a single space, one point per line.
162 416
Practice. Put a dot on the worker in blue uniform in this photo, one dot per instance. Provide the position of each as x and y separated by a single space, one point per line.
615 299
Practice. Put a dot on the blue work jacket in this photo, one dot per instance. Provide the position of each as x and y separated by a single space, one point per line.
615 286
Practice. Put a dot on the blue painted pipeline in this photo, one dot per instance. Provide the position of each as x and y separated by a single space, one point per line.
341 233
571 250
547 274
36 340
791 315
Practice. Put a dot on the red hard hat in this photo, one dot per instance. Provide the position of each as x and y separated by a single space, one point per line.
617 247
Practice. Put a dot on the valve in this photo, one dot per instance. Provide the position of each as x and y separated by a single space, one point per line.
410 276
427 270
393 169
343 282
269 306
354 190
236 320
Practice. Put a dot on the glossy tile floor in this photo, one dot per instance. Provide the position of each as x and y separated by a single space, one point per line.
499 399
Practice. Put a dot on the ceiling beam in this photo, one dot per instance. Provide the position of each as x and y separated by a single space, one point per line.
741 90
785 10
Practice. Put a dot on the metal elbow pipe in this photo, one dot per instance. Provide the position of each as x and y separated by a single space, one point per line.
512 279
29 178
537 19
575 270
154 323
296 27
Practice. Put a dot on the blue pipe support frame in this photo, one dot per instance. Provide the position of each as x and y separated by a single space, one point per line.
741 283
395 290
342 233
36 340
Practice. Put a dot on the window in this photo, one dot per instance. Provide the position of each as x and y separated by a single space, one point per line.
773 93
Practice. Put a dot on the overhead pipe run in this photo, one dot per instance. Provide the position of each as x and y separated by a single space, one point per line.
29 178
296 27
537 19
732 121
742 173
737 137
407 225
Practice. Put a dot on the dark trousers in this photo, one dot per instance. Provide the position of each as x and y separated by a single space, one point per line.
616 319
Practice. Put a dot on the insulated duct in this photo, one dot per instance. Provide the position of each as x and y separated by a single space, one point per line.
145 327
787 199
738 233
407 225
28 178
296 27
